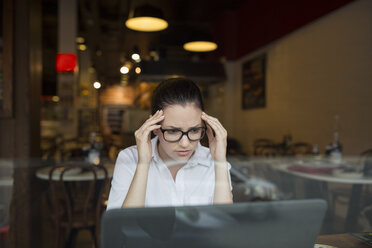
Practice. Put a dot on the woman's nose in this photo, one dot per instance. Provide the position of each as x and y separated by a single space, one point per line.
184 142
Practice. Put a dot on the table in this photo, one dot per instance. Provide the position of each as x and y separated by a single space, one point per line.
357 180
341 241
337 176
75 175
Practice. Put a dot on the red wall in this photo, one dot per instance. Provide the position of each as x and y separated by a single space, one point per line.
259 22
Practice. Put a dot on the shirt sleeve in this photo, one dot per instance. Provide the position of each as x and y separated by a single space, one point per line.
125 168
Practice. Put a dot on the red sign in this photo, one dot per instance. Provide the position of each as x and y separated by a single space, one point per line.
66 62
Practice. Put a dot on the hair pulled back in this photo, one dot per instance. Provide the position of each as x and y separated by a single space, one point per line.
176 91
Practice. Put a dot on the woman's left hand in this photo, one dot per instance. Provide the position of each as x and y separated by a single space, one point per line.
217 142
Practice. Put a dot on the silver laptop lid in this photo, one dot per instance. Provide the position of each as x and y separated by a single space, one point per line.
294 223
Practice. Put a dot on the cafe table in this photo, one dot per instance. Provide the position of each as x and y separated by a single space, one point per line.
356 179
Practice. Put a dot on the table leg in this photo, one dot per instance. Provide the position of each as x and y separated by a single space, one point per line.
315 189
353 209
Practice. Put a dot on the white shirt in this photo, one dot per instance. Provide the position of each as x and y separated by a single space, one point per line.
194 184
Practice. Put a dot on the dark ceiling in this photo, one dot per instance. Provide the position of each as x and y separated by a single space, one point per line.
238 26
101 23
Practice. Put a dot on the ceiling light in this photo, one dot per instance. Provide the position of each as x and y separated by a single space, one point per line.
55 98
80 39
200 41
124 70
136 57
82 47
97 85
200 46
146 18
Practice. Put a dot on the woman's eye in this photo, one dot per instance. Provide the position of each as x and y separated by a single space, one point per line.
172 131
194 130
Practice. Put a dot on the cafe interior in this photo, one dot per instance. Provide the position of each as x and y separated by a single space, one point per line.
289 80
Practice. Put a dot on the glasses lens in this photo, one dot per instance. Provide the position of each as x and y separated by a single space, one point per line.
196 133
172 135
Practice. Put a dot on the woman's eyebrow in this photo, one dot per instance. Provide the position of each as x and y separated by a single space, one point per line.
173 127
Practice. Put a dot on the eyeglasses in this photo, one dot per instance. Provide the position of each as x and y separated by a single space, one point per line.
175 135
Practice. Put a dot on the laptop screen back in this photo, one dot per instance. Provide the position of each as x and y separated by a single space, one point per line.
276 224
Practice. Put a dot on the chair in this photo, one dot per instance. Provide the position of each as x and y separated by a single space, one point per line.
76 205
300 149
262 144
341 195
234 147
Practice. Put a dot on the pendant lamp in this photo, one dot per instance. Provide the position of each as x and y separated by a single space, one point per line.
146 18
200 42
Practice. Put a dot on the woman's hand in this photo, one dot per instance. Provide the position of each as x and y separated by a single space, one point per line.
143 137
217 142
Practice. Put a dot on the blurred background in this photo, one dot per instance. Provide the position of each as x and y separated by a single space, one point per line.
289 80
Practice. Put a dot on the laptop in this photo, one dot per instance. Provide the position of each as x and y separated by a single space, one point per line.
278 224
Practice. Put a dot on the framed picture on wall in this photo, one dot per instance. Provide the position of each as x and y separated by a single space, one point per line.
253 83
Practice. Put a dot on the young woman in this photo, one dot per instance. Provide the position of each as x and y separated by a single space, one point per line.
173 168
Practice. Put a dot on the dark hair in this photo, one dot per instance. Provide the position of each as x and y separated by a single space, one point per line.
176 91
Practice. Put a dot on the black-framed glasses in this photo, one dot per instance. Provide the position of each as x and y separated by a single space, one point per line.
175 135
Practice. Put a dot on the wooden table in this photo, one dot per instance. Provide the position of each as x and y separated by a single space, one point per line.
341 241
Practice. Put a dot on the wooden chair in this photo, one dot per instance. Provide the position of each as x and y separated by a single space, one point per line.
300 149
264 147
76 205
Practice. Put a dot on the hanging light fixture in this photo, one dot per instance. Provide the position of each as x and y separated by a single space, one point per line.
200 42
146 18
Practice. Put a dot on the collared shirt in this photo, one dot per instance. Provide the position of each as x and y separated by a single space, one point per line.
194 184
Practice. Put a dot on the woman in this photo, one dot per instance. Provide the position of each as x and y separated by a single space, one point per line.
173 169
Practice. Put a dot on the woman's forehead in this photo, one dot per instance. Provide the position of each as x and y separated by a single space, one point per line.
177 115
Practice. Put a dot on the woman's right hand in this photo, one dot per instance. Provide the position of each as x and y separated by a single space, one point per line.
143 137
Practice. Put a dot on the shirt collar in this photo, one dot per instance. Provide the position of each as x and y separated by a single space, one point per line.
199 157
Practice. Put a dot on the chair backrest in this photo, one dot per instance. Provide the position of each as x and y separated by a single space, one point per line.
71 195
301 148
366 153
264 147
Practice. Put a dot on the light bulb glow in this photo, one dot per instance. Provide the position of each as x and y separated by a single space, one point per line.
136 56
80 39
82 47
97 85
55 98
146 24
200 46
138 70
124 70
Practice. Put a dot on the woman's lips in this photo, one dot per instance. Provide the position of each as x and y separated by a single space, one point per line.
183 153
